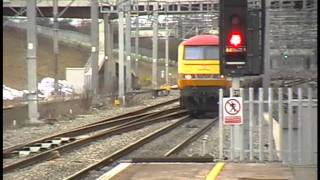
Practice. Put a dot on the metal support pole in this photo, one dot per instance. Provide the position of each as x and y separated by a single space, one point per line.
121 56
137 44
242 144
155 48
182 31
112 60
31 62
311 130
55 43
128 48
108 67
167 53
260 117
300 147
231 133
270 133
220 124
266 53
94 47
280 118
197 30
290 125
251 99
237 129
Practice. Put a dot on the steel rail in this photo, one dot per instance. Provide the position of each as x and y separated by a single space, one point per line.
295 82
100 126
191 138
126 150
71 146
6 152
75 132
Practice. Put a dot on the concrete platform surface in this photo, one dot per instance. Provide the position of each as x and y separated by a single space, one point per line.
160 171
305 172
262 171
210 171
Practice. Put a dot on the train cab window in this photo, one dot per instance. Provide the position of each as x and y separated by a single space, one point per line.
201 52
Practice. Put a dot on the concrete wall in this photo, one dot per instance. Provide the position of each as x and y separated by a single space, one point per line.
309 139
76 77
70 37
293 32
46 110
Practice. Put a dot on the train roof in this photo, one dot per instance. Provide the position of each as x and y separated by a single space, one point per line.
202 40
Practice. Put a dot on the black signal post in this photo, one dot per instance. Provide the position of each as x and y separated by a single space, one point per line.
233 53
237 44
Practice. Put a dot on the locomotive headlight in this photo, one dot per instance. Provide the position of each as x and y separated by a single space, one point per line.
187 76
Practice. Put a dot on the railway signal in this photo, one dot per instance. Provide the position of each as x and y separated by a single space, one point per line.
239 47
285 55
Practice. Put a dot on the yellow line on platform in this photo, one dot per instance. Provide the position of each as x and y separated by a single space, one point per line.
215 171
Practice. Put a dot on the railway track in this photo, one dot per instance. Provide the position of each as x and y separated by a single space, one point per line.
191 138
90 127
165 158
296 82
49 147
126 150
293 82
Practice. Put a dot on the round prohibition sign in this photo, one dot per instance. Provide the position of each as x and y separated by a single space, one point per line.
232 106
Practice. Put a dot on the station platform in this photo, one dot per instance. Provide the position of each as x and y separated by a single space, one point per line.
208 171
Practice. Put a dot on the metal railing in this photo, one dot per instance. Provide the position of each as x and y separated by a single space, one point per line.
279 125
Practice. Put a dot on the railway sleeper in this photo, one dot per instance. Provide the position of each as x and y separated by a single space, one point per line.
44 146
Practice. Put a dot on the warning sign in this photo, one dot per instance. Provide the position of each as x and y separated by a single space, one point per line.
232 111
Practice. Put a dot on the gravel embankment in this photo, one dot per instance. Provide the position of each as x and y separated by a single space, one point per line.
16 136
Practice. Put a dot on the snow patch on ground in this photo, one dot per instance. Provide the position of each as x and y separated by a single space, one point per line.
10 94
45 89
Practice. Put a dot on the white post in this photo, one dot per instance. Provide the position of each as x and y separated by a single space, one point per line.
260 123
280 118
238 129
290 125
270 135
251 122
220 124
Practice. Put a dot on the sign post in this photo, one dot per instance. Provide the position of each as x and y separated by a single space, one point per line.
233 115
232 111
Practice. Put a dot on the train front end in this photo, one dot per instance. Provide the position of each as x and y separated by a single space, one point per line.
199 77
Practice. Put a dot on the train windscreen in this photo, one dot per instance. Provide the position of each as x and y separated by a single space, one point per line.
201 52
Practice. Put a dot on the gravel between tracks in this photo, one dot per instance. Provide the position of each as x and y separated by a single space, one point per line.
163 144
212 143
16 136
159 146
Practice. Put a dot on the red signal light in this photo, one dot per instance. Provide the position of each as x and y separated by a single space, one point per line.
235 39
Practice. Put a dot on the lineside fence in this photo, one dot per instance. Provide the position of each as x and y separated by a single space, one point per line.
279 125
